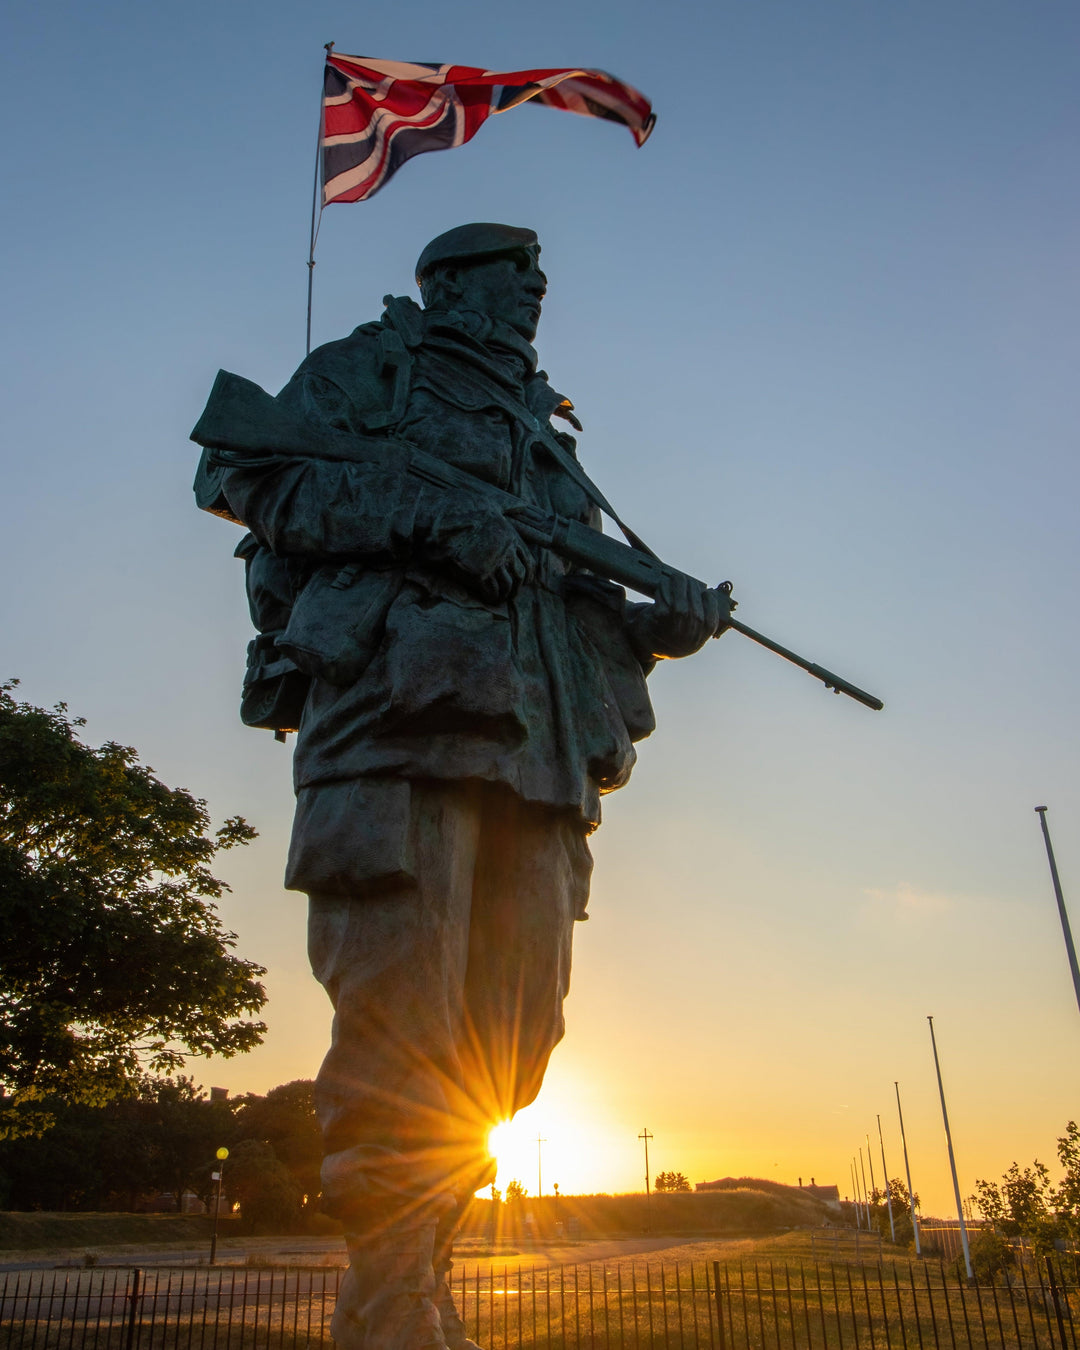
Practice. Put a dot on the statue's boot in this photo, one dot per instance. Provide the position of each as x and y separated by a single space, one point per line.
386 1300
452 1325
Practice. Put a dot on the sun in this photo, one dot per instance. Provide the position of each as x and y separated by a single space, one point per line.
501 1140
515 1153
525 1153
561 1139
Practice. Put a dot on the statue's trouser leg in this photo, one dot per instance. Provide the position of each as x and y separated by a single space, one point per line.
530 882
448 1002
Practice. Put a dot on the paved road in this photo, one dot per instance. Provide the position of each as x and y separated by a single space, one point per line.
330 1251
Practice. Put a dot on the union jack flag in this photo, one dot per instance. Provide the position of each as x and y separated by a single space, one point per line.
378 114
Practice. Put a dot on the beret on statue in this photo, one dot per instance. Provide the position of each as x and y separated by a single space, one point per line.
473 242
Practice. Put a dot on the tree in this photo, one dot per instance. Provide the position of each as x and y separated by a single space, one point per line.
1027 1204
269 1197
186 1129
1068 1192
160 1138
901 1200
515 1192
114 960
285 1119
670 1181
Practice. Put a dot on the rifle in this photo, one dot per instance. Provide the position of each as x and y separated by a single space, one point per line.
244 427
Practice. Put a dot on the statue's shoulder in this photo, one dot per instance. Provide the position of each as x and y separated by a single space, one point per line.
369 370
345 360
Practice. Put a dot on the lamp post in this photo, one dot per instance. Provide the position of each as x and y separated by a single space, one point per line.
220 1155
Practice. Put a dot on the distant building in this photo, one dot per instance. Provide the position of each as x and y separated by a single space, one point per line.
828 1195
165 1203
219 1094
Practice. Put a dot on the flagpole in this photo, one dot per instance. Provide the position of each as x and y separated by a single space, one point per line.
952 1158
316 209
888 1191
907 1169
1070 950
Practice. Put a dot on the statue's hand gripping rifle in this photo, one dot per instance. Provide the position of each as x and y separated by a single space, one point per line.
244 427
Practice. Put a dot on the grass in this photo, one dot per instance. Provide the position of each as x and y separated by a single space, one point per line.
28 1232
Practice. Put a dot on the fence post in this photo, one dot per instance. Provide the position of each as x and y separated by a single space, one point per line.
1054 1296
719 1306
133 1299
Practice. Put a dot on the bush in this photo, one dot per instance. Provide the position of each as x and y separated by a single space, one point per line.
269 1197
991 1255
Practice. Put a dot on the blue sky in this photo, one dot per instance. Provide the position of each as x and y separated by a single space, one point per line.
821 331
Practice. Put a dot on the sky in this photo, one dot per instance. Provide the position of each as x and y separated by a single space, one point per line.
821 332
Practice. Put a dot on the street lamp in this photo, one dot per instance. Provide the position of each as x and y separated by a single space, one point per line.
220 1155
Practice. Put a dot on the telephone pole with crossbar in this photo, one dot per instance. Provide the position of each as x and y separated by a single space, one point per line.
646 1136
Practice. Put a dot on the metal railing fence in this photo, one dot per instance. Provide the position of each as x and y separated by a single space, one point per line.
788 1303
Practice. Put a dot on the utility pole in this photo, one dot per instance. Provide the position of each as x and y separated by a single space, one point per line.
907 1170
855 1196
888 1193
952 1159
1066 930
646 1136
539 1167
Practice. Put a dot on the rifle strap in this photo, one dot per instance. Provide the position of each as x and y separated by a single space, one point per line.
404 316
573 469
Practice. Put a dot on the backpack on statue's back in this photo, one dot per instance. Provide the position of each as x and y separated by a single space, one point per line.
274 690
345 599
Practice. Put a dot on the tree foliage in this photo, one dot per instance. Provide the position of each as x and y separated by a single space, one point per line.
1027 1203
114 960
670 1182
515 1192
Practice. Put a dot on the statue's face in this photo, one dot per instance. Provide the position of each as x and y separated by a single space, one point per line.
509 289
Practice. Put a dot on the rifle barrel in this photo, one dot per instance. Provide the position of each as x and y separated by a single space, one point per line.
828 679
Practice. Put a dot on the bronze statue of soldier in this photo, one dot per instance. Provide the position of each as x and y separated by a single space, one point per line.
463 698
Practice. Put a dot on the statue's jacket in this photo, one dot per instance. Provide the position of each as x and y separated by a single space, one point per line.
413 675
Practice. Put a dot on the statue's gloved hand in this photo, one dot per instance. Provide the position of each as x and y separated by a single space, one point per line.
682 618
478 542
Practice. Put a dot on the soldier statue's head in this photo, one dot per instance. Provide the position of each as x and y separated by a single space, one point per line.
493 269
